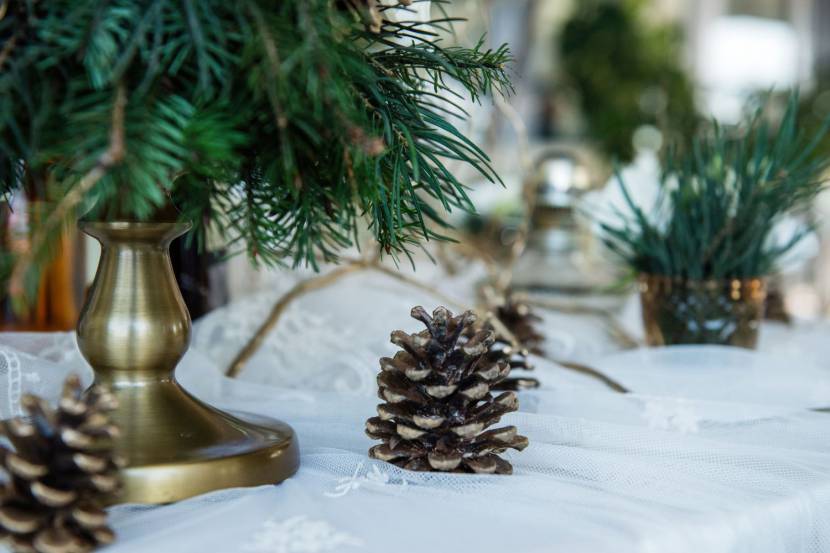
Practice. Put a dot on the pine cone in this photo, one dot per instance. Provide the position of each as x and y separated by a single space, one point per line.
516 359
60 472
520 320
439 402
517 317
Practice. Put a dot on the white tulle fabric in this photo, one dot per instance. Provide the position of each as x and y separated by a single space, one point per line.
702 465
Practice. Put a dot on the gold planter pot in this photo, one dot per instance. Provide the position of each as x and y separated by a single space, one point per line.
682 311
133 330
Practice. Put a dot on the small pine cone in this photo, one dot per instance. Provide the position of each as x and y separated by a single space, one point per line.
60 472
519 318
516 359
505 306
502 350
438 400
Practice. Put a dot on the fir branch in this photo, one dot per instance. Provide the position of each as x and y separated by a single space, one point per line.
285 123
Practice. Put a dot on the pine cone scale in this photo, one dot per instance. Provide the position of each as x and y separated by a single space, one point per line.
19 466
91 517
428 422
58 540
20 520
444 462
52 497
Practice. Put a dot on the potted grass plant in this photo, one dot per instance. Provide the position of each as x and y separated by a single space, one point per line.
703 253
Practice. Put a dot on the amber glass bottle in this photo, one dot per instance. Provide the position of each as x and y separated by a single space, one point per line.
62 281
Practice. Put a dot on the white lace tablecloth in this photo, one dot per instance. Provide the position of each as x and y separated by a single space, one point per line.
678 471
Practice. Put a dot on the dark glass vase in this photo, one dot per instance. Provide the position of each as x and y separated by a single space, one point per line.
683 311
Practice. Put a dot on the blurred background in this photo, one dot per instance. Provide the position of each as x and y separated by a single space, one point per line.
598 84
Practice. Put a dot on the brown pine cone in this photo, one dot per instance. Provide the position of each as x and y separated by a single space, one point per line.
519 318
515 317
60 472
516 359
439 401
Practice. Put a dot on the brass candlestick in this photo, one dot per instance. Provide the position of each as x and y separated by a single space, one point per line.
133 330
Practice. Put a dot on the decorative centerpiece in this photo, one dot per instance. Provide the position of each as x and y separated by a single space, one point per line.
61 473
438 400
275 125
702 253
683 311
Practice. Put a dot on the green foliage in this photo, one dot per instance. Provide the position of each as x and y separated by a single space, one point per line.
720 200
280 123
627 74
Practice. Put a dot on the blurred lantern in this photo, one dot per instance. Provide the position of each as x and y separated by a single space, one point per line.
562 252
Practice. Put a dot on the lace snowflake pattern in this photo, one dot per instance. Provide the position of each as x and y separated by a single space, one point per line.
673 414
299 534
373 477
62 348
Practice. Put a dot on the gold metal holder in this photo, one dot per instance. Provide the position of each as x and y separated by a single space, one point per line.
133 330
683 311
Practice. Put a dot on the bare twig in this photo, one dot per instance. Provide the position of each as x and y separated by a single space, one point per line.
110 157
375 266
593 373
519 128
503 278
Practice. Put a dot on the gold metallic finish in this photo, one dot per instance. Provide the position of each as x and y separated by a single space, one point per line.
683 311
133 330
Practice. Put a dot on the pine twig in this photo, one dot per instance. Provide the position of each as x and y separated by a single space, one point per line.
594 373
109 158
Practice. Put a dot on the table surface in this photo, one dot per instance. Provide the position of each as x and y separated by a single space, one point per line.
733 462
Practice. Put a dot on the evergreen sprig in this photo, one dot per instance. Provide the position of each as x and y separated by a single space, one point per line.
281 124
720 200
